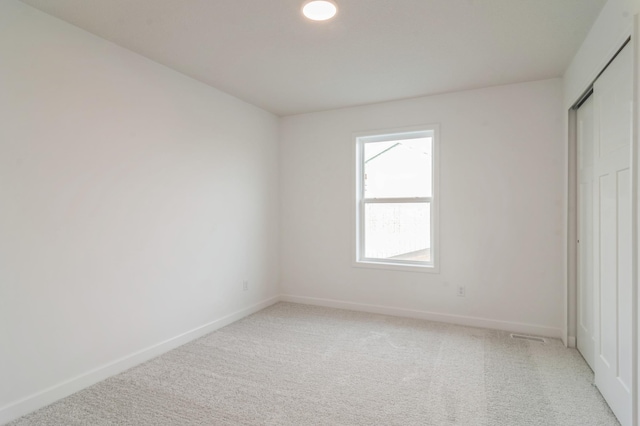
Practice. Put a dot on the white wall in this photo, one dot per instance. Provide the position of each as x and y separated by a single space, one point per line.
612 27
133 202
501 209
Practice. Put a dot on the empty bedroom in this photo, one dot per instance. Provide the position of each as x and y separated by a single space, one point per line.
319 212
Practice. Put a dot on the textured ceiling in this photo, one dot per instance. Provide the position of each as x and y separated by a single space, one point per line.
265 52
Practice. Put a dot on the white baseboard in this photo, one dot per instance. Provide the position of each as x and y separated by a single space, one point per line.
515 327
47 396
54 393
571 341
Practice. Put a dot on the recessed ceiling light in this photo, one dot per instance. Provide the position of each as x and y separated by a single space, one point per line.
319 10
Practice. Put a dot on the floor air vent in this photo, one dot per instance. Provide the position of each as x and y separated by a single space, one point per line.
524 337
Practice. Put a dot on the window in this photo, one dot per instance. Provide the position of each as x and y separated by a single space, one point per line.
396 199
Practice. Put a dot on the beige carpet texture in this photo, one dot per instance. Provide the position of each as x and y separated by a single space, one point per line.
294 364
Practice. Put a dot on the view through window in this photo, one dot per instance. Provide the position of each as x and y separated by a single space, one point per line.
396 194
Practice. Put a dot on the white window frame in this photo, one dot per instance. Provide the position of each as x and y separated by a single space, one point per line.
360 139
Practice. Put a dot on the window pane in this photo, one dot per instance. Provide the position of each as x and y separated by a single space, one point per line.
398 231
400 168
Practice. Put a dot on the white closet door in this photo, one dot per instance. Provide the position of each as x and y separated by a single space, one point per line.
586 305
612 234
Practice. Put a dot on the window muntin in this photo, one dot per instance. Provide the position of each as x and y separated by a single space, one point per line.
395 199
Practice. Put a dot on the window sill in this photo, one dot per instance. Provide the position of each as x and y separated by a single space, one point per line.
370 264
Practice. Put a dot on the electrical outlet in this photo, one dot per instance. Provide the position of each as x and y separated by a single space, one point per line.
461 291
245 285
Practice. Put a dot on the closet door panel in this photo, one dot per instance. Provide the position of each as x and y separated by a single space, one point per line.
585 303
612 235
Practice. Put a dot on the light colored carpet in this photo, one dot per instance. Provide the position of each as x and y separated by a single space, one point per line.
301 365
